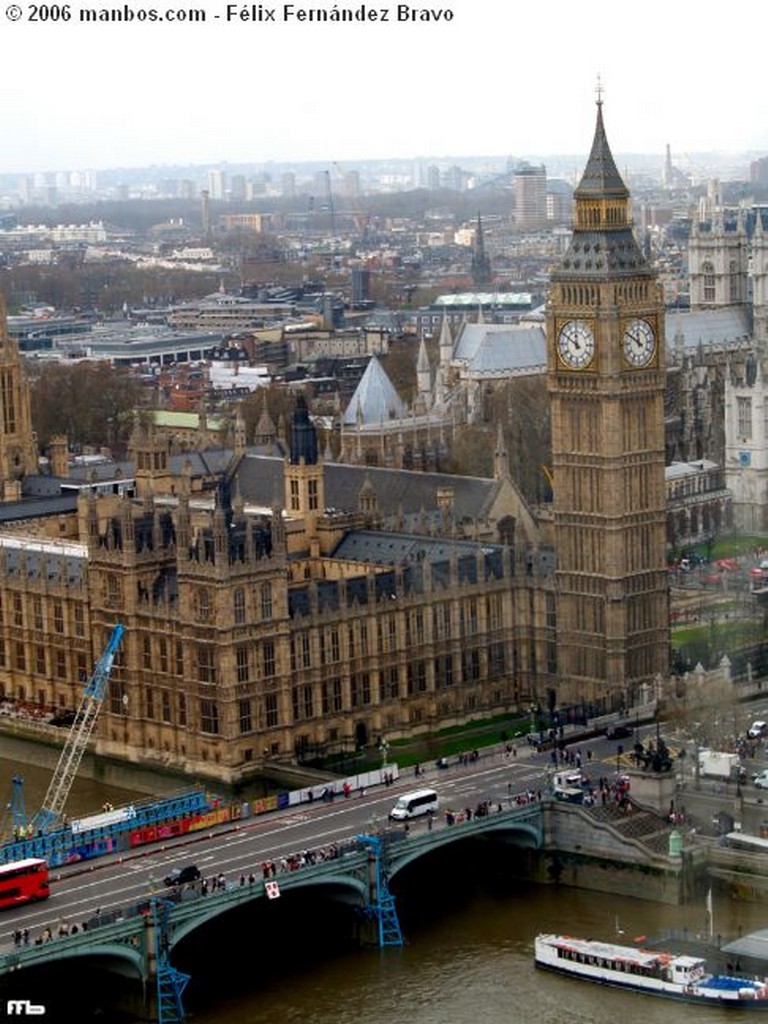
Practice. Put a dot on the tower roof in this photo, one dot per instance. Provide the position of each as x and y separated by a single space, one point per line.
603 245
375 399
601 176
303 435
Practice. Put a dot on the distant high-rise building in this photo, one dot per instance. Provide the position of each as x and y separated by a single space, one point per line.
288 184
255 187
237 187
758 171
186 189
216 183
529 189
205 212
361 282
559 201
455 179
321 184
433 178
352 184
26 187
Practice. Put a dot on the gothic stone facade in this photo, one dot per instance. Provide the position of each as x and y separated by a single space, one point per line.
236 651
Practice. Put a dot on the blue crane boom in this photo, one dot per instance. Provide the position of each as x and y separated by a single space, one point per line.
77 741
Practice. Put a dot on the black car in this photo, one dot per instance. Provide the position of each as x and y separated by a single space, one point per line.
618 732
180 876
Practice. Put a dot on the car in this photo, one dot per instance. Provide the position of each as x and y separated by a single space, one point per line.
757 729
618 732
180 876
761 779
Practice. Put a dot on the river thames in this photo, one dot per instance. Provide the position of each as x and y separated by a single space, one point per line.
472 963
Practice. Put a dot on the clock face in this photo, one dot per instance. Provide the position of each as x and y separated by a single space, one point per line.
576 344
639 343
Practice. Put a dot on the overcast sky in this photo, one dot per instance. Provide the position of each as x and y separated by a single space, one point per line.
502 77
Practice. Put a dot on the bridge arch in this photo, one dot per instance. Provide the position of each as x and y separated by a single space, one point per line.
524 834
341 886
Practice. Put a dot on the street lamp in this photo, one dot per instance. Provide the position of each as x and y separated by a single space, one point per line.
384 748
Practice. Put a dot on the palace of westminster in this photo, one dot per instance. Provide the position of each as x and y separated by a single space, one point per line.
285 608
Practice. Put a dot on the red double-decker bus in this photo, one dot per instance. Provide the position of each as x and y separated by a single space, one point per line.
23 881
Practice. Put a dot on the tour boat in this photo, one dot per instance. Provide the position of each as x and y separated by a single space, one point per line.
656 973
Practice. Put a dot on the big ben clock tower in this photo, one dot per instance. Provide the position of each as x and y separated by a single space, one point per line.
606 379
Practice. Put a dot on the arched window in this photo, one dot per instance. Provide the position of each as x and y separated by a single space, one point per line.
239 606
734 291
204 605
709 282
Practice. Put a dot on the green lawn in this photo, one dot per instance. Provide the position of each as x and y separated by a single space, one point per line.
731 546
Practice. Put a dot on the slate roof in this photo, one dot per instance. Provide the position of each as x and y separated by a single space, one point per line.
601 176
383 585
680 470
726 327
36 508
376 398
384 548
260 481
755 945
494 350
56 560
215 460
601 253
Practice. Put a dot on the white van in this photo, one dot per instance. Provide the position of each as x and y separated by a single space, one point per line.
413 805
568 780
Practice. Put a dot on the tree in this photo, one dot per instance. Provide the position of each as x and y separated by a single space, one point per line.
471 453
92 403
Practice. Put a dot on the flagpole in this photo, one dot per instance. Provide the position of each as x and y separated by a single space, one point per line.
710 914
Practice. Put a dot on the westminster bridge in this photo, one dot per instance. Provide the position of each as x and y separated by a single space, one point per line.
556 842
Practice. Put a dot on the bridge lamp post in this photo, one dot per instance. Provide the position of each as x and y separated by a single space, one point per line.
384 748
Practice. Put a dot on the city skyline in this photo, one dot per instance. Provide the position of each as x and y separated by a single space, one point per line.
491 80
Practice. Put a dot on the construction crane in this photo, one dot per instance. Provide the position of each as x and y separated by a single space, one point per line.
82 727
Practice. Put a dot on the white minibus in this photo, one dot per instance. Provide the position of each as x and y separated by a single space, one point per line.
412 805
